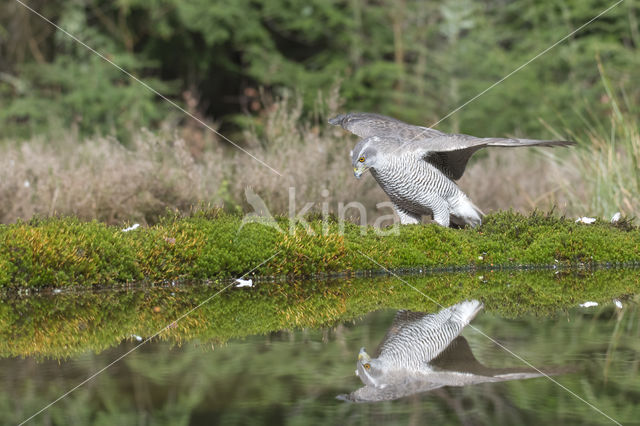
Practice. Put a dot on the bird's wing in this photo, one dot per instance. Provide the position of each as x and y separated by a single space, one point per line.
450 153
365 125
390 392
458 358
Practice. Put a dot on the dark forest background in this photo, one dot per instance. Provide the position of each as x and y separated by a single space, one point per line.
416 60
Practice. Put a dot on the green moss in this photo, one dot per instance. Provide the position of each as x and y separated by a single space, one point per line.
69 323
210 245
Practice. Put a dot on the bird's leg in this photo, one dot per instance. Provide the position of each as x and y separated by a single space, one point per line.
441 214
407 218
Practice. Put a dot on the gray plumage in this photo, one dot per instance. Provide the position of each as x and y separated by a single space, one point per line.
422 352
417 166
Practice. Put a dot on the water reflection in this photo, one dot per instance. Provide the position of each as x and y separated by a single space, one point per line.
63 325
422 352
227 365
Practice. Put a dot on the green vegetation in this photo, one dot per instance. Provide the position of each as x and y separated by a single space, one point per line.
415 60
210 244
69 323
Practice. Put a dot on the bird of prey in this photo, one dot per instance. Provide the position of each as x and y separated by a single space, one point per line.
417 166
422 352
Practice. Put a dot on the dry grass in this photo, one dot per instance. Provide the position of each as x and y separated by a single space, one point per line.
608 167
598 177
312 156
101 179
520 179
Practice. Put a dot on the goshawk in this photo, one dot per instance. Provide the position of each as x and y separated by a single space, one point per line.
422 352
417 166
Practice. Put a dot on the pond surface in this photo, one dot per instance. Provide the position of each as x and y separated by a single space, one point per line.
274 354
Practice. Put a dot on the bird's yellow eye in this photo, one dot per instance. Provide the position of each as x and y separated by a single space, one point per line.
361 159
367 366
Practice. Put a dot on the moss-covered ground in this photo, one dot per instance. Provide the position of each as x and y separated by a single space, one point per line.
71 322
212 245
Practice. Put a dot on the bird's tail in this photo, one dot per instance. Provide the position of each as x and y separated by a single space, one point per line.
464 212
465 311
476 209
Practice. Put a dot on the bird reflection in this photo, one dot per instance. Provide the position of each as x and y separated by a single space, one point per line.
422 352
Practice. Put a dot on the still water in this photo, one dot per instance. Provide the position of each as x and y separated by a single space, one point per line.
338 361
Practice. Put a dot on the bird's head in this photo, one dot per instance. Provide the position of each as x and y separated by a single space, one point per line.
369 370
364 156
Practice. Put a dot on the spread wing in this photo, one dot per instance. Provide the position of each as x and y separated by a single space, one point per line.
451 153
448 152
365 124
388 393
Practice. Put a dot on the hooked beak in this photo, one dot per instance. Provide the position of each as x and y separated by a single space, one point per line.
358 171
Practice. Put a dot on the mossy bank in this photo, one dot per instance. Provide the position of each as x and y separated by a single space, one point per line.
70 322
212 245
